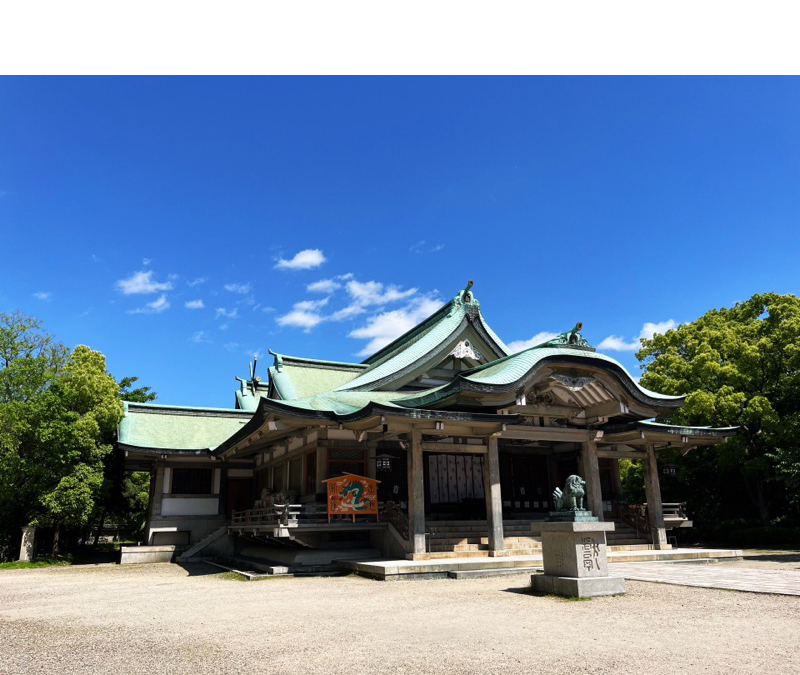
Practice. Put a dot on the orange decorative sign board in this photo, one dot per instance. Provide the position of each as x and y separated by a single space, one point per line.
352 495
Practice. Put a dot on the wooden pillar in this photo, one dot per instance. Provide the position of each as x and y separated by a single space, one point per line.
416 494
616 478
494 499
591 474
655 510
322 468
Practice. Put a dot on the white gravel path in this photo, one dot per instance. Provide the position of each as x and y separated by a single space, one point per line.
167 619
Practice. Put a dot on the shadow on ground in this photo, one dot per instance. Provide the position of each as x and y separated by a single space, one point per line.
774 556
199 569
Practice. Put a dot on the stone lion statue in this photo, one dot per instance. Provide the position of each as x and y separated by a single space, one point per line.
571 499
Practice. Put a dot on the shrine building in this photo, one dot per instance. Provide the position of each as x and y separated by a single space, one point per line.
466 441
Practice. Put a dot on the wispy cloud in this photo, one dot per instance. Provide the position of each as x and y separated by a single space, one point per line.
197 281
146 261
161 304
227 313
304 314
43 295
422 246
519 345
376 293
619 344
200 336
362 295
323 286
142 282
380 330
304 260
194 304
238 288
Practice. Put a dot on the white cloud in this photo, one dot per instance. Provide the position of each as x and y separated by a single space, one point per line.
323 286
43 295
142 283
227 313
238 288
300 319
650 329
304 314
310 305
200 336
375 293
146 261
380 330
304 260
159 305
198 280
619 344
194 304
519 345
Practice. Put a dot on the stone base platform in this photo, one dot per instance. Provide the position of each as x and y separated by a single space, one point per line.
149 554
395 570
573 587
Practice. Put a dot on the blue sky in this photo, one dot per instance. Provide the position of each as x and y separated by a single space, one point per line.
181 224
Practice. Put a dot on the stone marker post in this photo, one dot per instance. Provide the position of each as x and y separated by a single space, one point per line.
26 546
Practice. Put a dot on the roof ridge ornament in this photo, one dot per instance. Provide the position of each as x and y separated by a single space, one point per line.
464 297
465 350
571 338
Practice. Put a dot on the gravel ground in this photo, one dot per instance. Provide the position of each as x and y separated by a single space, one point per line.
173 619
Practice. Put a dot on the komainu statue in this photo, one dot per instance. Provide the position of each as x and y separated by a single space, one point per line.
571 499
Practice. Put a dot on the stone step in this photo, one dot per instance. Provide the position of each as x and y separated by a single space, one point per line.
490 572
631 547
627 542
479 540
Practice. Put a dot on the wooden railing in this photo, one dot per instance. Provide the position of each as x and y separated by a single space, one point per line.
637 516
286 515
634 515
294 515
674 510
397 518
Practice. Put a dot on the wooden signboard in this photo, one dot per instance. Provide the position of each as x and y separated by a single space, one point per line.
352 495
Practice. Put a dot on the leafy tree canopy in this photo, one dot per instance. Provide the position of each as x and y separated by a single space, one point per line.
739 366
58 415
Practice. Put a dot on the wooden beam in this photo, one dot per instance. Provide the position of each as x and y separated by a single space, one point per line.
455 447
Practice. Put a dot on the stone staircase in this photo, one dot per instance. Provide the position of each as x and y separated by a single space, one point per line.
625 538
468 539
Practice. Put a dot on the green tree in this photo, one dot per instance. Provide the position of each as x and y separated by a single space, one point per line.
124 496
740 366
58 415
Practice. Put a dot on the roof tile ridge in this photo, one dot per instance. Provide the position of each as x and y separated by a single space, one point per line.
286 358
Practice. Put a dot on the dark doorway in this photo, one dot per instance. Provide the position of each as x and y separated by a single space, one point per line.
524 483
240 495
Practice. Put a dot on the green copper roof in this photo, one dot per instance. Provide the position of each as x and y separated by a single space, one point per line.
426 340
295 377
512 368
346 402
149 425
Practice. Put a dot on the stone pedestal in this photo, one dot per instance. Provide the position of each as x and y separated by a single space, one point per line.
576 560
26 545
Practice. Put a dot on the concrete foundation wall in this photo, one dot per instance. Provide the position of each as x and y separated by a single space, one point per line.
147 554
197 527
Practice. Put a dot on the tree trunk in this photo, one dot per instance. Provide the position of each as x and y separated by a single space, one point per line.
56 536
99 527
